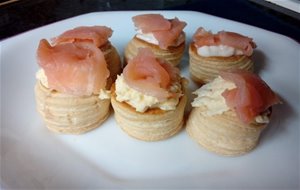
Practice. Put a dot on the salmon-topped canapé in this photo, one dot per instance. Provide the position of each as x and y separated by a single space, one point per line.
232 39
164 30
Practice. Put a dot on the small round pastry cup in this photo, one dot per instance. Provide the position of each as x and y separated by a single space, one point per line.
172 55
223 134
70 114
153 125
205 69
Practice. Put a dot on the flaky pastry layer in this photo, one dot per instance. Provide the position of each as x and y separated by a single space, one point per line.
223 134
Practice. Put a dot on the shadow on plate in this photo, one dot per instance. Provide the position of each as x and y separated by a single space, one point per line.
259 60
282 114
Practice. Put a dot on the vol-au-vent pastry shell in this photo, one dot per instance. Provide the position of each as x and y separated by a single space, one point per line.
172 54
113 62
205 69
152 125
223 133
69 114
77 68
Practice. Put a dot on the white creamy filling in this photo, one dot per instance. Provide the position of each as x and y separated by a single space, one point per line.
142 102
150 38
210 96
41 76
220 51
264 117
104 94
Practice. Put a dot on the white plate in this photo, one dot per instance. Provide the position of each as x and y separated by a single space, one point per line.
33 157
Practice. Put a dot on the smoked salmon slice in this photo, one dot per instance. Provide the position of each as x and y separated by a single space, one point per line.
148 75
77 68
251 97
97 34
232 39
167 38
151 22
165 31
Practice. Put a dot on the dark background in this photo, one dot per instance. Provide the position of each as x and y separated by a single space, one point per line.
23 15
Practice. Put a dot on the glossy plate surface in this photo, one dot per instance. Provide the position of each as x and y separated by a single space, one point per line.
33 157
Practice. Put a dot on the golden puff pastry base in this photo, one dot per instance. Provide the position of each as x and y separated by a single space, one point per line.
172 55
205 69
113 62
152 125
69 114
223 134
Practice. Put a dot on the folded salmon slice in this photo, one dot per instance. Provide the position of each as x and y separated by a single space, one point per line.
77 68
251 97
151 22
174 72
165 31
205 38
149 75
238 41
167 38
96 34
